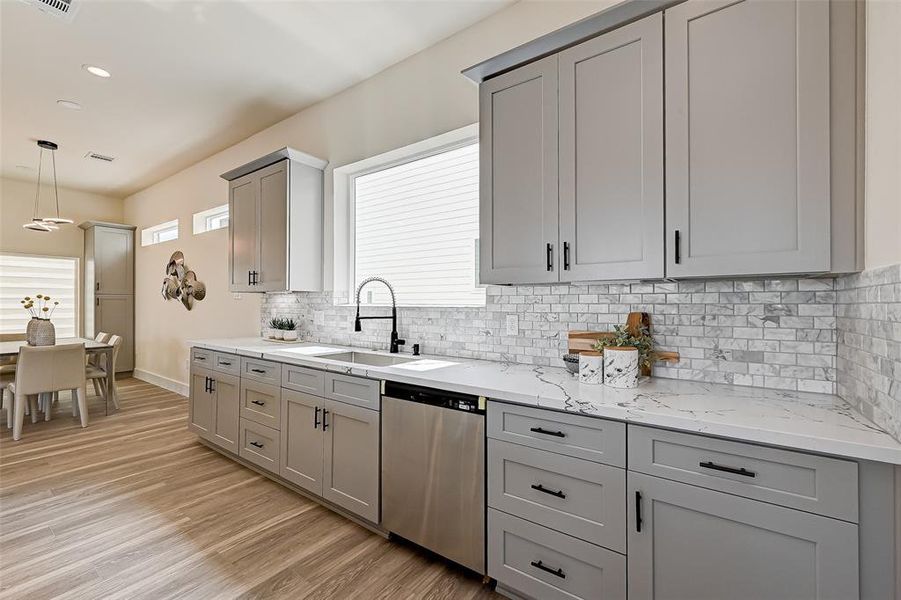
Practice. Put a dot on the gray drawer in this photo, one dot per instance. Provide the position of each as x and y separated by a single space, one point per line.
227 363
353 390
597 440
826 486
259 445
517 551
261 402
301 379
202 357
578 497
264 371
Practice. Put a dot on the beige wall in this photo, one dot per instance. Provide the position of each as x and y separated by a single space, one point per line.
883 131
419 97
17 207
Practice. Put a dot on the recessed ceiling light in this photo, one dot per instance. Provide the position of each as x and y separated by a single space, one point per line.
93 70
70 104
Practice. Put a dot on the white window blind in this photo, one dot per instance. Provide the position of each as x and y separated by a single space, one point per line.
417 225
52 276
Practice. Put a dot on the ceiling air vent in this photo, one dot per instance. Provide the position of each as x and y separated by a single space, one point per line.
97 156
62 9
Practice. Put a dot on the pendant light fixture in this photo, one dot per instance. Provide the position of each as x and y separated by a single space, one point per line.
46 224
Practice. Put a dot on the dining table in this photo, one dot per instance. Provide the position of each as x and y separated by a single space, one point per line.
9 349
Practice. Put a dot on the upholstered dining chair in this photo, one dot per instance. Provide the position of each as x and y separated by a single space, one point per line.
45 370
99 372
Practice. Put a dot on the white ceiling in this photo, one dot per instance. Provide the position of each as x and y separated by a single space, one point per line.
189 77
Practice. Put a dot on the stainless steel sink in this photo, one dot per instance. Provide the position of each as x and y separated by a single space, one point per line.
368 358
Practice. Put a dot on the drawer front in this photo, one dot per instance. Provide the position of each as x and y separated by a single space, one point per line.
542 563
202 357
597 440
263 371
353 390
584 499
825 486
259 445
227 363
301 379
261 403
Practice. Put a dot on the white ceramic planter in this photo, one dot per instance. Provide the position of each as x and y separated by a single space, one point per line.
276 334
591 368
621 367
290 335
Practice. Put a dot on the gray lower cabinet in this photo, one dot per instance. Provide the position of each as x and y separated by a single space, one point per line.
213 407
350 476
301 440
200 403
688 542
116 315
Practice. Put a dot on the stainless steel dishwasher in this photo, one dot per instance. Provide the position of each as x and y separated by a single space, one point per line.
433 471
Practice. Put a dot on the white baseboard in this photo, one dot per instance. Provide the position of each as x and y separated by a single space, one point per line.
163 382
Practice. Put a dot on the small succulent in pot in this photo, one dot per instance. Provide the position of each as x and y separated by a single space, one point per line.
641 340
275 328
289 330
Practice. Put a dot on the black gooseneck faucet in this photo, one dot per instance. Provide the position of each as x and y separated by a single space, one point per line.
395 342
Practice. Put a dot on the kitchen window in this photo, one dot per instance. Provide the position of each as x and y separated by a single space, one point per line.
211 219
414 218
27 275
164 232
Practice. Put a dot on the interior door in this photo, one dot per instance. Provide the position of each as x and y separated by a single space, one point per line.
518 179
242 231
200 406
272 266
611 154
747 137
225 410
705 545
113 260
116 314
351 462
301 440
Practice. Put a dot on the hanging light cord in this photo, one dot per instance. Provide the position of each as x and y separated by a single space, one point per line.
55 187
37 194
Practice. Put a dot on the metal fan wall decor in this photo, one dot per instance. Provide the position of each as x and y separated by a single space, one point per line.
181 282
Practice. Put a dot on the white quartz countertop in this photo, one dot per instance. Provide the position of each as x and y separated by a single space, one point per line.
797 420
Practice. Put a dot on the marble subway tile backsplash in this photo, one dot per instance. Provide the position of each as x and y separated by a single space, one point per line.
776 333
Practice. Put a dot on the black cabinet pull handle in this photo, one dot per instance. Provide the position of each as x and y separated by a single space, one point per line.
206 384
256 444
735 471
638 519
200 358
254 281
98 286
258 371
678 253
212 385
547 432
541 488
550 257
566 256
316 418
540 565
324 419
249 281
227 364
258 403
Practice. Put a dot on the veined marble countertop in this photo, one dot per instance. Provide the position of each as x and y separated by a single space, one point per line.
797 420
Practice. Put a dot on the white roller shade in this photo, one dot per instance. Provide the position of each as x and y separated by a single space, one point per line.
22 276
417 225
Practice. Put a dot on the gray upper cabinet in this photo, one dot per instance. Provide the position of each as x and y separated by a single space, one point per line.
518 179
611 154
275 224
114 260
687 542
747 137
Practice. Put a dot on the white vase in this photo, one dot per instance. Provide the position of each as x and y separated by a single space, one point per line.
276 334
621 367
591 368
290 335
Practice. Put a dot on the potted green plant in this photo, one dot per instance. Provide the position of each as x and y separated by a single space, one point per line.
275 328
641 340
289 330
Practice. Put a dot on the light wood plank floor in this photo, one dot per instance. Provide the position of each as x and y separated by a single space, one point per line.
134 507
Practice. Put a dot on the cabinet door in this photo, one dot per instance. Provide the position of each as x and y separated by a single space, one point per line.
611 154
226 398
116 315
351 463
272 266
242 231
301 440
518 180
113 260
701 544
200 403
747 137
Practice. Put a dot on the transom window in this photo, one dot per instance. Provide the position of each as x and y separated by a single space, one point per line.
211 219
157 234
24 275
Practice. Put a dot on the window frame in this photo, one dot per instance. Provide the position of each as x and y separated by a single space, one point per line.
203 218
154 230
345 206
78 282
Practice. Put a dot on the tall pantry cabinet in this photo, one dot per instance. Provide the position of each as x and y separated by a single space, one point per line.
109 284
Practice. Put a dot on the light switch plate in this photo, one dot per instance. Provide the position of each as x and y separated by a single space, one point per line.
318 317
512 325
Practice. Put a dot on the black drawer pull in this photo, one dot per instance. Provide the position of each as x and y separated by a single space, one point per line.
258 403
261 371
541 488
256 444
539 565
547 432
638 520
715 467
198 357
227 364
